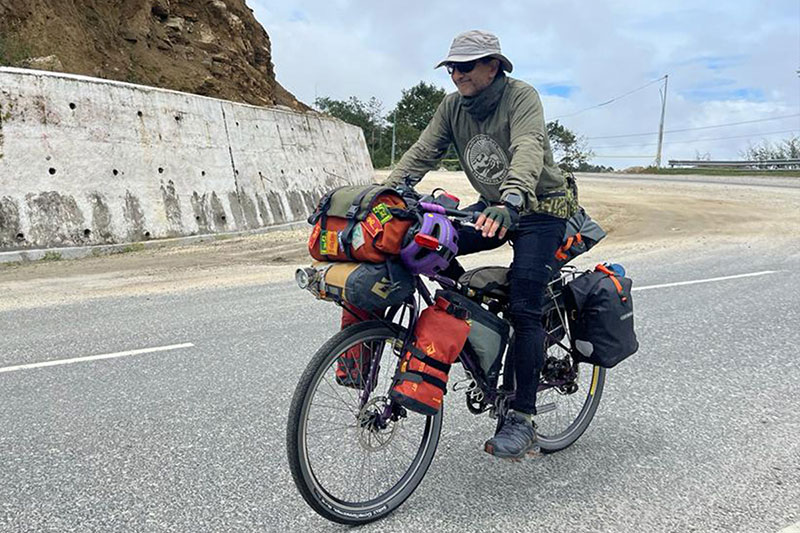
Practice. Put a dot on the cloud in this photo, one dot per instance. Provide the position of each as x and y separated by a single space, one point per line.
706 94
727 62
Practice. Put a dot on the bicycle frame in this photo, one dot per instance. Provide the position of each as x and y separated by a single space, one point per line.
496 395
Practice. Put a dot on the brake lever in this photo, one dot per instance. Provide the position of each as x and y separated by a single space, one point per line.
468 221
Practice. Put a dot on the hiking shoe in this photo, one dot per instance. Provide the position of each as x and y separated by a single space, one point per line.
515 438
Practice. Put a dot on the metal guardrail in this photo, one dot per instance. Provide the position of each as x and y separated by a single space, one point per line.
765 164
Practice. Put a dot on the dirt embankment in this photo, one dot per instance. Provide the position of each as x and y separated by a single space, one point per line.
209 47
639 216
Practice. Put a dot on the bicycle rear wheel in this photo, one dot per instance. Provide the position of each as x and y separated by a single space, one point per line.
351 463
572 392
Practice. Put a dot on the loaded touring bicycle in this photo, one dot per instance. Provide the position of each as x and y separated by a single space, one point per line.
357 445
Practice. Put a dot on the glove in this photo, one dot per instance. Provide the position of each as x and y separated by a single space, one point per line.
496 217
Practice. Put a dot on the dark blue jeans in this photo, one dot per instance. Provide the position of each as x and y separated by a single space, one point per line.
535 242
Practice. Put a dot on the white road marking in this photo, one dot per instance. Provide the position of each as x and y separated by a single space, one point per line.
189 345
708 280
794 528
95 357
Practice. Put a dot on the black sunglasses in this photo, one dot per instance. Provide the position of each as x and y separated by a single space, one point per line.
464 67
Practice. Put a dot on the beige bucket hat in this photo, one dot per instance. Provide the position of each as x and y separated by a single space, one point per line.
475 44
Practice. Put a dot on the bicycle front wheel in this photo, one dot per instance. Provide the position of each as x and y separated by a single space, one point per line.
354 457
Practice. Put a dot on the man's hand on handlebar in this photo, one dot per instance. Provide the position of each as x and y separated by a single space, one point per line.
497 217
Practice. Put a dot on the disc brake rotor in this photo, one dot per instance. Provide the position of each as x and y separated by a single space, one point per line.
374 434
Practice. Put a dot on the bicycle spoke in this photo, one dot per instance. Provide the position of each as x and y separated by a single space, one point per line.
361 475
340 453
327 432
369 468
400 448
331 407
569 407
329 396
352 411
327 422
408 440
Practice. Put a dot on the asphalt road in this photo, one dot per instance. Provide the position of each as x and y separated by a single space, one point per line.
699 431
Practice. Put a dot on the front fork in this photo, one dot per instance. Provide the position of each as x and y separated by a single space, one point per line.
395 315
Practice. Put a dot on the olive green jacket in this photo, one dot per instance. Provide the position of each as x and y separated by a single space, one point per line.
507 152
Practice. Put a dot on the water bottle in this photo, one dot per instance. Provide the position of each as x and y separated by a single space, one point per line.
617 269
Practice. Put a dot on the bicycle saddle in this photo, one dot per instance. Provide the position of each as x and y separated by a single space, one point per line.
491 281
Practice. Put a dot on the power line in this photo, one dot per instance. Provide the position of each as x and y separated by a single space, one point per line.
696 140
609 101
625 156
697 128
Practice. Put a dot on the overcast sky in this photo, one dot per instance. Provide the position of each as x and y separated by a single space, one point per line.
727 61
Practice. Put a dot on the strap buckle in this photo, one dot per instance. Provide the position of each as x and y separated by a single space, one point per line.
352 211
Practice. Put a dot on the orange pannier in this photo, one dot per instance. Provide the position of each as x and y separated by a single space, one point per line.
421 378
358 223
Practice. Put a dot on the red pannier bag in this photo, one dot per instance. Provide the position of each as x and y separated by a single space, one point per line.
421 377
353 366
358 223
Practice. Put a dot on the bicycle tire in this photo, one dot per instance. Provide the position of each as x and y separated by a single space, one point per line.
581 423
594 392
312 491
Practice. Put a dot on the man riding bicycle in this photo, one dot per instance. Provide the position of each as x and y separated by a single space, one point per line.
496 124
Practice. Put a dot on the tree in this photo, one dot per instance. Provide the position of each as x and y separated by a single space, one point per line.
569 150
413 113
366 115
785 149
587 167
418 105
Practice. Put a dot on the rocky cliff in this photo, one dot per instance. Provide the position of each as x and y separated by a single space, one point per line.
209 47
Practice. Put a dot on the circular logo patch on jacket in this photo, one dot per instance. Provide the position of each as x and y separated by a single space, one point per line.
486 159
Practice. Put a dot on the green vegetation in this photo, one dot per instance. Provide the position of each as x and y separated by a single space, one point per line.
784 149
414 110
367 116
412 114
719 172
5 114
132 247
567 148
12 50
51 256
762 152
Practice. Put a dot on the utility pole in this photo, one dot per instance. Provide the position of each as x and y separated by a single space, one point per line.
661 126
394 137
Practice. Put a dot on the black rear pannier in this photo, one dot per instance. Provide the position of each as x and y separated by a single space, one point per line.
600 311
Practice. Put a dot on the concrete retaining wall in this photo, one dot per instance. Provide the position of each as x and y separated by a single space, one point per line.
89 161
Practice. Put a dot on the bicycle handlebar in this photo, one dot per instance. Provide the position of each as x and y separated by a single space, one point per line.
436 208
